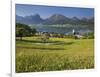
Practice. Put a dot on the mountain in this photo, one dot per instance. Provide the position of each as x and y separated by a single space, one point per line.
56 19
19 19
53 20
32 19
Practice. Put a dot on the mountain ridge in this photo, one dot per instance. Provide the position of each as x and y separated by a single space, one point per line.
53 19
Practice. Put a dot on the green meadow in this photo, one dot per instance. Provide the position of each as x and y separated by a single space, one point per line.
33 55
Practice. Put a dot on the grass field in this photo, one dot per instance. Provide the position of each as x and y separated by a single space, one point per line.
33 55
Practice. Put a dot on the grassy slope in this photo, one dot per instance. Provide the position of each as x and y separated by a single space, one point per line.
61 54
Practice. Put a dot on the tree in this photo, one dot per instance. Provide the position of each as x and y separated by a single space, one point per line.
33 31
23 30
89 35
20 32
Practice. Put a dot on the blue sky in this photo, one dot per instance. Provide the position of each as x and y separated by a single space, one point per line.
47 11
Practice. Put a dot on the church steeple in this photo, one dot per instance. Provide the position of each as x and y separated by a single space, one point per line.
73 31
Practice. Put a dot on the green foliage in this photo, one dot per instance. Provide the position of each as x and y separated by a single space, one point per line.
23 30
89 35
33 31
32 55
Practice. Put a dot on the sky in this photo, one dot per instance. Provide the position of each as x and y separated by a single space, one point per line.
47 11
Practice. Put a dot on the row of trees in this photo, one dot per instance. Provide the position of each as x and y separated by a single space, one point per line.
23 30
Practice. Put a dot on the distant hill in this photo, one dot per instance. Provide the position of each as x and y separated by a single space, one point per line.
57 19
32 19
54 19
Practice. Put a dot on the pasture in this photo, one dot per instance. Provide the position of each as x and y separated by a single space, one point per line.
34 55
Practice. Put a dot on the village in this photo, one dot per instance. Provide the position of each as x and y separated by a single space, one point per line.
73 34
